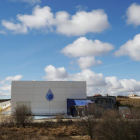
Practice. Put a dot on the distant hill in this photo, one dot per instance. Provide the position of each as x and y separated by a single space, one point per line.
128 102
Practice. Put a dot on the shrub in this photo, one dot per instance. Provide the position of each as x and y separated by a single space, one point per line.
23 115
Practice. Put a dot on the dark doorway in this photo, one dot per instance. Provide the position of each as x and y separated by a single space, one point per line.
73 111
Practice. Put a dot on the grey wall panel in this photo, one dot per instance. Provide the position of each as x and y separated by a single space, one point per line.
58 105
40 84
40 91
40 105
69 84
40 98
22 83
58 90
41 111
13 105
58 111
26 103
22 91
57 84
76 91
79 84
59 97
22 97
76 96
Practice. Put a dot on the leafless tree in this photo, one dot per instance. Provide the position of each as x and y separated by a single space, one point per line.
23 115
88 123
112 127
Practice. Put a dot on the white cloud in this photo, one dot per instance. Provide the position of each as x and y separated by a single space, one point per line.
90 77
133 14
87 62
16 28
14 78
55 74
130 48
84 47
82 22
58 74
130 85
5 87
113 82
96 82
42 18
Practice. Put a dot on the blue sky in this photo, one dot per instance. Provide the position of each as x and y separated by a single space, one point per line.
94 40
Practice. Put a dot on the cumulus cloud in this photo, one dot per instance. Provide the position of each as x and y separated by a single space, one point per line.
130 85
42 18
82 22
92 78
55 74
96 82
131 48
87 62
84 47
14 78
113 82
16 28
133 16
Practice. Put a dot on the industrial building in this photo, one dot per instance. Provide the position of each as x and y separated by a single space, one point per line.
107 102
48 97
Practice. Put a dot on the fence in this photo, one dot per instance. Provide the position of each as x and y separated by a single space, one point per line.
4 105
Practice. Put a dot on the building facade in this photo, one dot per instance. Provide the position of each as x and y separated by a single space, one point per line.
46 97
107 102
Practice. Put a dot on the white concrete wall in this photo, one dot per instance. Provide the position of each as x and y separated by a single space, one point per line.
35 92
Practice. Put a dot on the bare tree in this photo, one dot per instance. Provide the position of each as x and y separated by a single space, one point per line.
88 123
112 127
23 115
95 110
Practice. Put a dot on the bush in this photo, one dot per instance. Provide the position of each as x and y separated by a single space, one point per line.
23 115
94 110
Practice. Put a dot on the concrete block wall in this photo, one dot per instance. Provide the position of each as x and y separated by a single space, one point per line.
35 92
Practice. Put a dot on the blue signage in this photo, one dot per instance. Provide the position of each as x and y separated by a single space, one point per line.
49 95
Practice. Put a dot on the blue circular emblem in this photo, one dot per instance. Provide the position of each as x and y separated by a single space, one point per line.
49 95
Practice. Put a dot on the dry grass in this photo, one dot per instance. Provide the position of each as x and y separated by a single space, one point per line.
129 101
42 131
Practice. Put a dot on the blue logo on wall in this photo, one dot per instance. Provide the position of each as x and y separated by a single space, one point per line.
49 95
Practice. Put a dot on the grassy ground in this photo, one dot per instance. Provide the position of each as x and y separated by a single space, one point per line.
38 132
129 101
